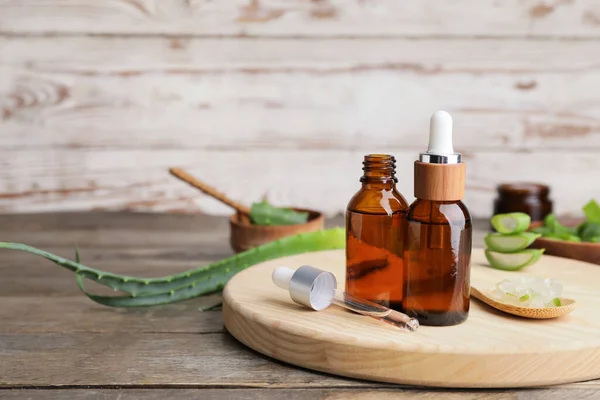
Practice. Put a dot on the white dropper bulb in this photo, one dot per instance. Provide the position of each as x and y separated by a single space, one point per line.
282 277
440 134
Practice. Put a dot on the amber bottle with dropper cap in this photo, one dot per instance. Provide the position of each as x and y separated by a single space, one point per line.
438 234
375 217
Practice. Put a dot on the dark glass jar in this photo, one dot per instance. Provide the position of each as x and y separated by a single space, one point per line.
529 198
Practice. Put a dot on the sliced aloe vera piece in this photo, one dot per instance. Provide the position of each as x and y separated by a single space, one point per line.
510 243
511 223
513 261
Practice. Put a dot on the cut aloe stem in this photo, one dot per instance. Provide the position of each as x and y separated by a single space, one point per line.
511 223
510 243
513 261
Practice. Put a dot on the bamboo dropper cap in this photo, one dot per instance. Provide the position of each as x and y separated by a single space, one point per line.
440 173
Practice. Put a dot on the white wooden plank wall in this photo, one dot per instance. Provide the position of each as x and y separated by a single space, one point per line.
283 98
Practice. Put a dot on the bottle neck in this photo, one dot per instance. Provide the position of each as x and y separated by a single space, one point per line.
379 172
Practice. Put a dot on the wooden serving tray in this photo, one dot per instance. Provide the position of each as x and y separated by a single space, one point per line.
490 349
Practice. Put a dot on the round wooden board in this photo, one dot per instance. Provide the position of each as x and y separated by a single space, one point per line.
490 349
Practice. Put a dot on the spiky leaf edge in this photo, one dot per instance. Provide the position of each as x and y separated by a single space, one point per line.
189 284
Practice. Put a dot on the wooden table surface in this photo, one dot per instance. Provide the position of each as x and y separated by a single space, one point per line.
55 343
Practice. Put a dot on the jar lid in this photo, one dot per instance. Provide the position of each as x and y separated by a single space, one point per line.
523 188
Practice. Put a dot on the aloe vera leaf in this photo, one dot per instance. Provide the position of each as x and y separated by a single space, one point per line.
114 281
216 281
208 284
592 211
510 243
542 230
557 229
173 296
588 231
265 214
214 284
205 276
511 222
563 236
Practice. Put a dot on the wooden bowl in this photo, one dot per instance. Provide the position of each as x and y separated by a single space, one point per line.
582 251
243 235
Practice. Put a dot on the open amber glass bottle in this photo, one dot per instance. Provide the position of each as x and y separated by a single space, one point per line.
375 219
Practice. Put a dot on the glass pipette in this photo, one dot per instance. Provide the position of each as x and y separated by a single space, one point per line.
316 289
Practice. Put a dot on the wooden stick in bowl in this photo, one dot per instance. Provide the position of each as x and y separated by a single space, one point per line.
209 190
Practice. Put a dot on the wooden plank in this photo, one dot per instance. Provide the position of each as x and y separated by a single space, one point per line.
300 394
207 227
181 93
107 55
171 240
198 227
72 179
174 239
121 359
303 18
80 315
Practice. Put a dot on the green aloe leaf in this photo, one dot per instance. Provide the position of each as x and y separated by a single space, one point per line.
592 211
510 243
173 296
589 231
563 236
193 283
265 214
557 229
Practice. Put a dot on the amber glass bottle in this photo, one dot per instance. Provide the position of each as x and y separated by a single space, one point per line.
437 260
375 217
438 234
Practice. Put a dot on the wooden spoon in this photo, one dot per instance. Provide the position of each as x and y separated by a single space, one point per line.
568 305
209 190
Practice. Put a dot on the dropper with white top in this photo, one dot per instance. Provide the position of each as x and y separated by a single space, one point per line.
440 173
316 289
440 149
437 244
